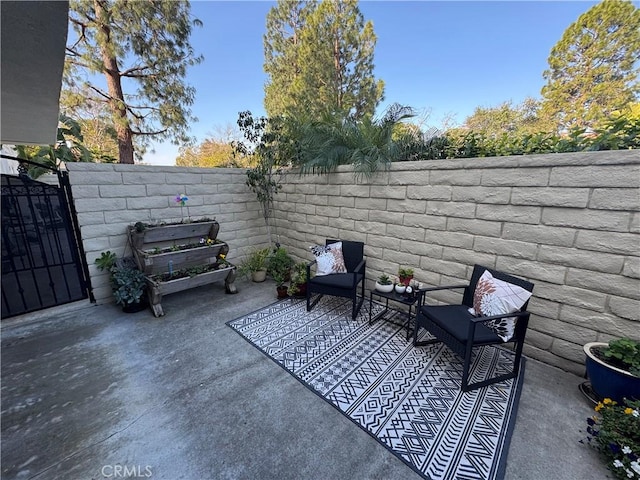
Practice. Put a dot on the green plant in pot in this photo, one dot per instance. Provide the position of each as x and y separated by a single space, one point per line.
279 266
298 285
127 282
405 275
613 370
384 283
255 264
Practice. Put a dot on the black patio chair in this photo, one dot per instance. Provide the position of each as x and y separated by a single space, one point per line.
461 331
341 284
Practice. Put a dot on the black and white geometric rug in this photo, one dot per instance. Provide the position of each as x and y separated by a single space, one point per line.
408 398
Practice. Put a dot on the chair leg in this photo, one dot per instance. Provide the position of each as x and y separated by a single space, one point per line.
356 307
311 304
466 367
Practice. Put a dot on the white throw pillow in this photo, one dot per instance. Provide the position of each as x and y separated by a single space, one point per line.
496 297
329 259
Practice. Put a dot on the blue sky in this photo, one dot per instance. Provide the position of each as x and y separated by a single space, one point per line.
446 58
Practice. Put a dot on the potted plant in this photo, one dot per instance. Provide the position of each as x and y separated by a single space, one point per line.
255 264
298 285
614 369
384 284
400 288
127 282
279 266
615 433
405 275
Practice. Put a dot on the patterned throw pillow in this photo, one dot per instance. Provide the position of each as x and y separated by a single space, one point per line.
329 259
496 297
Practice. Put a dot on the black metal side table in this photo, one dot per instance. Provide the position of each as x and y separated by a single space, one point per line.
402 300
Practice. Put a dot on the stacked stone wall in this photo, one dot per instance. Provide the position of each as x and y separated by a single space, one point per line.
110 197
568 222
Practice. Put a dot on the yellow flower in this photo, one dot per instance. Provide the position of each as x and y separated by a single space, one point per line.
607 401
209 241
222 256
599 406
628 411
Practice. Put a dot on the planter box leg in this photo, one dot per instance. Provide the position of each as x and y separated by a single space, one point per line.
229 282
155 299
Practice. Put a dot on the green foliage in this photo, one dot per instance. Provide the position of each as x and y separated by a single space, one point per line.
255 261
143 51
626 353
106 261
128 285
69 147
127 282
615 433
279 265
593 68
264 143
285 22
507 119
365 143
319 59
384 279
210 154
298 278
405 272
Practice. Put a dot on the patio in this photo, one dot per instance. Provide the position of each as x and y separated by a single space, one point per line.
87 388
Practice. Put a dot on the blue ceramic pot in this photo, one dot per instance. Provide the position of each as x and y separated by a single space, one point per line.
607 381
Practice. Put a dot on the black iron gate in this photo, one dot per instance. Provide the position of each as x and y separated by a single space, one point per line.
43 262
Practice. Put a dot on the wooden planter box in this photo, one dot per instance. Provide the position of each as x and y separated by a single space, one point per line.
151 239
158 288
154 263
167 235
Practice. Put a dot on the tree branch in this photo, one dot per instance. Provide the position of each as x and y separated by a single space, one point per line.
137 132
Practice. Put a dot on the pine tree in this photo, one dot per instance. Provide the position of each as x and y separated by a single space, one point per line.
142 51
322 62
281 51
592 69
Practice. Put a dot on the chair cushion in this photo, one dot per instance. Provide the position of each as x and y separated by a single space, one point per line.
455 320
329 259
338 280
497 297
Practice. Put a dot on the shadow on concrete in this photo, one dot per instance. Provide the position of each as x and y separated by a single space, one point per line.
89 392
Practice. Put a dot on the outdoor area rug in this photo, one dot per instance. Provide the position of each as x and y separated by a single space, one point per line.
408 398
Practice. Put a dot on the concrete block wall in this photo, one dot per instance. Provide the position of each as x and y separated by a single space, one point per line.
110 197
568 222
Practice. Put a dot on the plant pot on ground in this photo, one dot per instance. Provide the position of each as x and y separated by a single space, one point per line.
255 264
279 265
298 285
127 282
613 369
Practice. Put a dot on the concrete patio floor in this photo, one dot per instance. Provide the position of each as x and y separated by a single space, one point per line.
88 389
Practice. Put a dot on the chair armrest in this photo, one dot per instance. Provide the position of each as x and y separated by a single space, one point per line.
360 268
444 287
309 265
422 291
